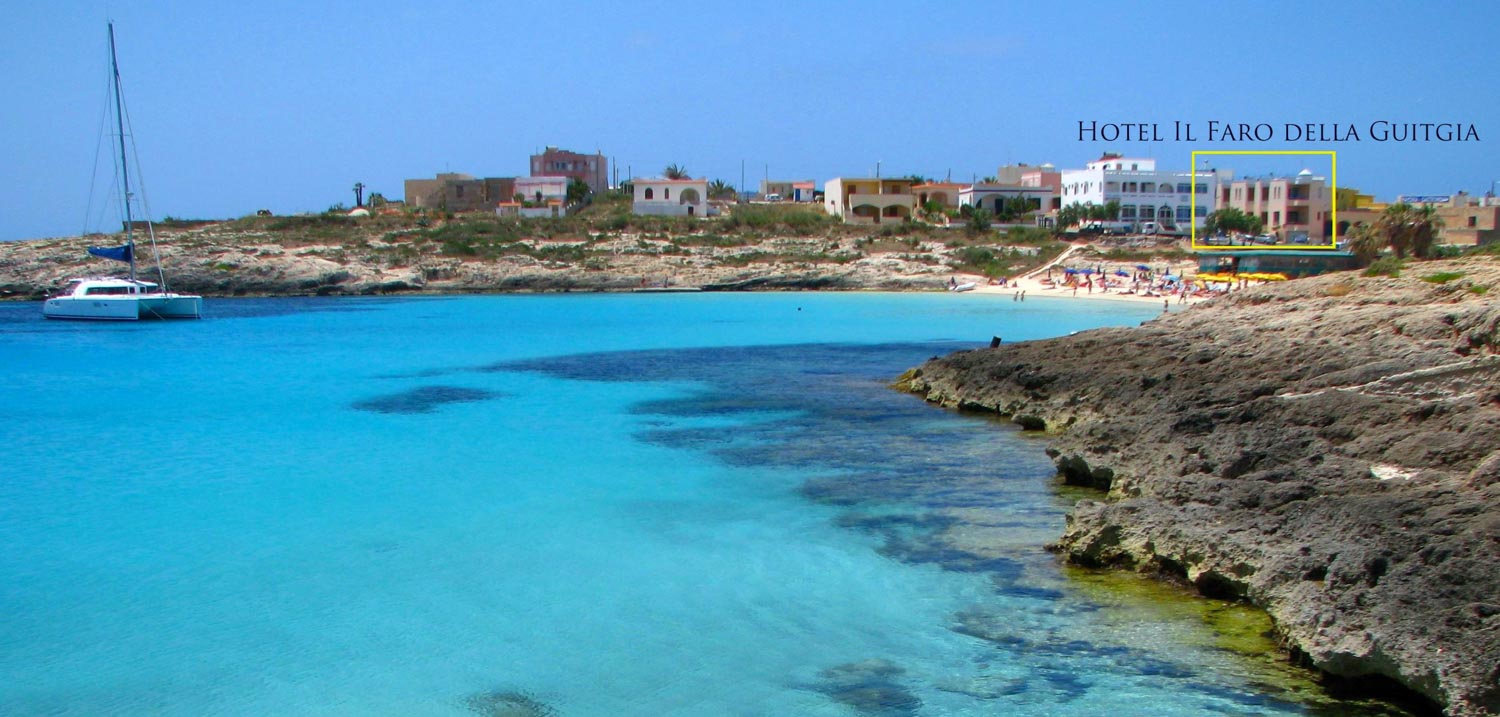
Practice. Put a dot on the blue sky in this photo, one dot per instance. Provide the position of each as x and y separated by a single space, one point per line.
279 105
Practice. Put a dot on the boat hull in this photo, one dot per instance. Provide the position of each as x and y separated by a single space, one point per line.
124 308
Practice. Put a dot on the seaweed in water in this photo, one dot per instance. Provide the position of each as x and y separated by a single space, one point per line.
870 688
424 399
508 704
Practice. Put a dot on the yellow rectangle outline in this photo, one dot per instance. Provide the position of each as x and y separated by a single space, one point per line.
1333 157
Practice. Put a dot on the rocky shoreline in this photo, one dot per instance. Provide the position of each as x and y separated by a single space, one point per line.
335 256
1327 449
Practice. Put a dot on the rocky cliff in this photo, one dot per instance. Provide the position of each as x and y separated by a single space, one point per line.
1328 449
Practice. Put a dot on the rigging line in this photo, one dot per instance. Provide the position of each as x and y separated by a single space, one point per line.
140 183
88 209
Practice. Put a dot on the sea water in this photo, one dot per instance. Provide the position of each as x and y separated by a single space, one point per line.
551 505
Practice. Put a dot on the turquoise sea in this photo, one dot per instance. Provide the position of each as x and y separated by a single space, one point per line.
551 505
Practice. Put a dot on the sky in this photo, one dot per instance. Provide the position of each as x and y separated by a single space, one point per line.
237 107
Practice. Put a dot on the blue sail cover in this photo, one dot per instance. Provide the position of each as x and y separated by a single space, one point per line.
119 253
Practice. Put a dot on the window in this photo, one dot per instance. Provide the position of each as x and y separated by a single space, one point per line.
1200 189
1148 187
459 191
1166 188
1200 211
648 193
1184 188
1127 211
1473 222
1183 213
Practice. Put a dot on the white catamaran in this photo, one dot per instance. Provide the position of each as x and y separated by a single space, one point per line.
113 298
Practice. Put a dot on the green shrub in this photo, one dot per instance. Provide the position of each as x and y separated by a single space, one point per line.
1386 266
1442 277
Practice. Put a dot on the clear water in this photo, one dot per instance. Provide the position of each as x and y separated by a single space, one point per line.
526 505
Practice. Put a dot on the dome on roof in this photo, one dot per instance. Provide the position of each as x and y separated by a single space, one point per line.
1305 173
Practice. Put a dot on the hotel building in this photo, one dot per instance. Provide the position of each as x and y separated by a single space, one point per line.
1145 193
1296 210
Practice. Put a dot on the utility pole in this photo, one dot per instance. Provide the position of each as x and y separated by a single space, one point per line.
742 178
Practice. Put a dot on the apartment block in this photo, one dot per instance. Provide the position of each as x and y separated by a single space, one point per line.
1173 200
1295 210
864 200
591 169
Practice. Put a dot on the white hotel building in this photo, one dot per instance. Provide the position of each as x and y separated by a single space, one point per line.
1144 193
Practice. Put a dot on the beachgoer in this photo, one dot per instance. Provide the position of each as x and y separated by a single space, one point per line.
1166 304
1023 296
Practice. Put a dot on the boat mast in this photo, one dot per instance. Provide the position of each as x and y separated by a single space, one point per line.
114 68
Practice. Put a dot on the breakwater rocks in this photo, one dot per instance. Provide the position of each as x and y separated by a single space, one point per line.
1328 449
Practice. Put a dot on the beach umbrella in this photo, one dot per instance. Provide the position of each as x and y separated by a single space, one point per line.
1070 271
1121 272
1276 277
1085 271
1142 267
1169 277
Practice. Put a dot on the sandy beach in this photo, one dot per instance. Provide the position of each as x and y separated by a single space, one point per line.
1032 283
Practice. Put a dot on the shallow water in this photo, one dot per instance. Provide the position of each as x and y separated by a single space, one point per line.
573 505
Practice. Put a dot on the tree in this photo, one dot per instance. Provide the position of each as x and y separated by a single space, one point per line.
673 171
719 189
377 199
577 190
990 180
1365 241
1408 229
1069 216
979 220
1230 219
1020 206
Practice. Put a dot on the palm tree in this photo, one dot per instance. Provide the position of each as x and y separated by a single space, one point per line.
1424 229
673 171
719 189
1365 241
1410 229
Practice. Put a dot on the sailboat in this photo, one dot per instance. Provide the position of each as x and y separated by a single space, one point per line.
114 298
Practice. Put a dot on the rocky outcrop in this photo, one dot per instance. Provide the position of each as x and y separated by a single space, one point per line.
1328 449
229 259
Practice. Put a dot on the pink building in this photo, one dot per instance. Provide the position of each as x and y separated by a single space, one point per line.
1296 210
591 169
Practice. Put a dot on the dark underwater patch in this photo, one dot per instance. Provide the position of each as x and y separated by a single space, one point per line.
872 688
507 704
423 399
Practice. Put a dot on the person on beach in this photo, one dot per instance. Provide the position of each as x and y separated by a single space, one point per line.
1023 296
1166 305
